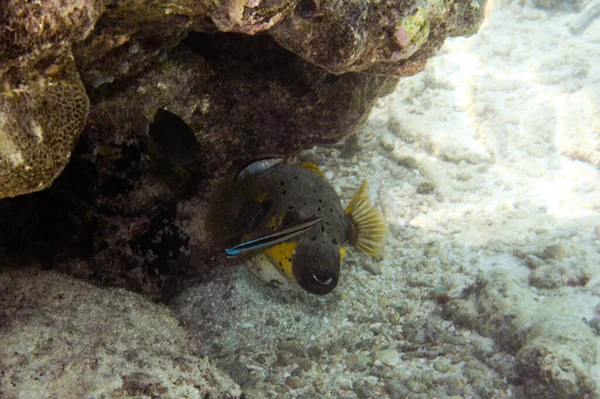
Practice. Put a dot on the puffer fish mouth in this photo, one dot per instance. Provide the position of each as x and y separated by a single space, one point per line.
323 280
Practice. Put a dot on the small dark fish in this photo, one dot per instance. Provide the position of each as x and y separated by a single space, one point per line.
170 137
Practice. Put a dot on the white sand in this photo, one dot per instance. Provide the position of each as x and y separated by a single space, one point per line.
505 126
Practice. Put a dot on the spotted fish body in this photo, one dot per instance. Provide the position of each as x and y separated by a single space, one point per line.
292 229
296 193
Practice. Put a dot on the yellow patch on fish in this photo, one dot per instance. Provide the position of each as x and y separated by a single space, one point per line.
262 197
281 256
342 253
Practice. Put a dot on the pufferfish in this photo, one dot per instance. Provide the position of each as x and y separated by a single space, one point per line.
290 226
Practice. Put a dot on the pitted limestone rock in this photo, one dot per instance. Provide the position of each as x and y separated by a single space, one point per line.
40 121
113 41
43 104
34 31
375 37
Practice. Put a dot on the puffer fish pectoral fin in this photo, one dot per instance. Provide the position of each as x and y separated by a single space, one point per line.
233 206
369 227
253 216
276 237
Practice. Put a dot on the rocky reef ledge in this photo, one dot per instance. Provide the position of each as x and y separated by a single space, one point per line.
249 77
51 50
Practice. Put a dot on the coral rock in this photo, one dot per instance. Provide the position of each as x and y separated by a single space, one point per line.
60 337
40 122
378 37
43 104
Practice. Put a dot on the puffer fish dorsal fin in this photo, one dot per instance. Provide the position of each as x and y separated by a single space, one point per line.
370 229
312 167
258 165
233 200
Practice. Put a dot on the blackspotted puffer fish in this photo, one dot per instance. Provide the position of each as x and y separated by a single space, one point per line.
291 227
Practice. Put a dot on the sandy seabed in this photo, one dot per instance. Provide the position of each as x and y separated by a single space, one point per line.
486 166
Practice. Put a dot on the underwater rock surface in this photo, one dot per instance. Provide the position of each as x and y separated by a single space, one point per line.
60 336
43 104
242 94
485 166
113 41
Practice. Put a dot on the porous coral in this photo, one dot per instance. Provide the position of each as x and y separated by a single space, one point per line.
43 104
40 122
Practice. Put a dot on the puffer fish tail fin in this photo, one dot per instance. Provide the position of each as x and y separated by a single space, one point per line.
370 230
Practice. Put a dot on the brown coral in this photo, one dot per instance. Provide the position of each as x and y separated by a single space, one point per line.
43 104
40 121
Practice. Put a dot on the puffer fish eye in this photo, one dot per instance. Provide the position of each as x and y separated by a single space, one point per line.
323 280
290 218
